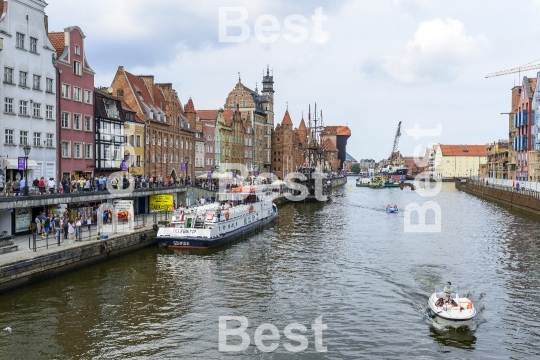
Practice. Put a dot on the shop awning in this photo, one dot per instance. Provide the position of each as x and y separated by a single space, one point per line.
13 163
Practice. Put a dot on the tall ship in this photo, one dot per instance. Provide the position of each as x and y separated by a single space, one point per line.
313 168
216 224
395 165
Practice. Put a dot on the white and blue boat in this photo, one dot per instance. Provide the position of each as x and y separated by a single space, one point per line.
392 209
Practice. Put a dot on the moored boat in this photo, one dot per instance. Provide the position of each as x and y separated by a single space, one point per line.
449 309
213 225
363 182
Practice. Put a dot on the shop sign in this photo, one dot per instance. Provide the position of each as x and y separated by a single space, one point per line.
124 209
161 202
23 219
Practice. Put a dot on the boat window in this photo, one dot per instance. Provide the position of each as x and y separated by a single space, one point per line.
188 222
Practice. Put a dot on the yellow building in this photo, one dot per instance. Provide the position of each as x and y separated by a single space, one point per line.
459 160
223 122
134 149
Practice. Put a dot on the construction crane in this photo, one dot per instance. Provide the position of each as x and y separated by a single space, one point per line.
519 69
396 141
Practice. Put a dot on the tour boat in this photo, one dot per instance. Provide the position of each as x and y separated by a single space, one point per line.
363 182
215 224
392 210
457 314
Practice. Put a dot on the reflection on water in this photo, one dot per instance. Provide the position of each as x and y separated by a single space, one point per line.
347 261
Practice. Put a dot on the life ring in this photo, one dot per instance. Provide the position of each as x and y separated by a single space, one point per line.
226 215
251 208
182 217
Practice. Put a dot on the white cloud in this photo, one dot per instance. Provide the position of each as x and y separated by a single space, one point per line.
439 50
536 5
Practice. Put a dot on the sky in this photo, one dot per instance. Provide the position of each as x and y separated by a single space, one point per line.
367 64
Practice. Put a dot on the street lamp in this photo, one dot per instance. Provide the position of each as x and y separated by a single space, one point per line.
26 149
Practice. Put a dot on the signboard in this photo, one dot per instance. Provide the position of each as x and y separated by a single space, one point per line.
23 219
21 163
209 175
183 166
124 165
161 202
124 209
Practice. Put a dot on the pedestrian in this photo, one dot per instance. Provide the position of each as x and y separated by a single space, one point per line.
38 223
65 226
78 229
57 228
71 231
47 226
88 223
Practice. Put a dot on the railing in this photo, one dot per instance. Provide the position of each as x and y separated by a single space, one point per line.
526 188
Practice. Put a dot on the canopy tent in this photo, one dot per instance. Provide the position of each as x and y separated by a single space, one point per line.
13 163
203 176
279 182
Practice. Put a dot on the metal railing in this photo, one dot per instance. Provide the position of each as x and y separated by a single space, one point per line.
499 185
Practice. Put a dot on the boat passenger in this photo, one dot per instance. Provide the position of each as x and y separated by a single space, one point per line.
388 206
449 286
446 300
395 206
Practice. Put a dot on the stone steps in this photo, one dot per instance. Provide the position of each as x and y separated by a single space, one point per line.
6 246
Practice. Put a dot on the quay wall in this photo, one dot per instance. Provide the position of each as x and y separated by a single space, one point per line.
58 261
513 199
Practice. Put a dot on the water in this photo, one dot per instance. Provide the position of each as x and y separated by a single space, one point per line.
347 261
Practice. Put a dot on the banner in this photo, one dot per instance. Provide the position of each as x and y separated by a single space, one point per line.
209 175
124 165
23 219
183 166
124 209
21 163
161 202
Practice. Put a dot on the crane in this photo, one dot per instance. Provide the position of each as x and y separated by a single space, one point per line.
519 69
396 141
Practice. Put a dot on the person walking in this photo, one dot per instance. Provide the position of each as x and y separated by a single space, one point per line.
78 228
89 223
71 231
38 223
65 226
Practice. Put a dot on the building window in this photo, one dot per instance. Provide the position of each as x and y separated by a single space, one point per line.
23 107
8 139
176 144
153 158
138 141
49 112
23 77
153 140
164 158
87 151
50 138
120 92
65 120
23 138
77 50
8 75
159 141
37 139
49 85
20 41
87 96
138 164
36 110
77 147
132 140
37 82
77 67
77 122
66 147
77 94
87 123
170 142
147 140
8 105
66 91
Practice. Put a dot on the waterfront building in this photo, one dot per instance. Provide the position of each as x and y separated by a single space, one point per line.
207 118
523 128
223 137
288 147
134 148
330 156
237 139
497 159
29 91
110 141
169 137
338 135
199 154
349 162
459 160
76 88
258 111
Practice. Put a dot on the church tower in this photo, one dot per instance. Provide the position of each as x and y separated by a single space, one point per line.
268 92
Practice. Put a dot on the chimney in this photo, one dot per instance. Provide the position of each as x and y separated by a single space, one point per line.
149 82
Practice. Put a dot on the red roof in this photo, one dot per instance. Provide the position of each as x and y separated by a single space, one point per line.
286 119
329 146
207 114
463 150
138 84
337 130
302 125
58 41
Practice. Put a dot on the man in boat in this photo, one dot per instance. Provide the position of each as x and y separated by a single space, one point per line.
449 286
395 206
447 299
388 206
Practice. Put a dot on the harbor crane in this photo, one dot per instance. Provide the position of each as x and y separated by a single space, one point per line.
519 69
396 141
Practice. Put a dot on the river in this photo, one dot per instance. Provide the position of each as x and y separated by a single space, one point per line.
347 261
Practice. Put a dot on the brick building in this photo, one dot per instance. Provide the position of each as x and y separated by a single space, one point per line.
288 147
338 135
169 140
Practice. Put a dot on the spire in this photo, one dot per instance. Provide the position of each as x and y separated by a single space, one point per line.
256 89
287 104
190 107
286 119
239 79
302 126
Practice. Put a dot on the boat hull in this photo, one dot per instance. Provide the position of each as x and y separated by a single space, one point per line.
362 185
391 185
392 210
453 318
186 242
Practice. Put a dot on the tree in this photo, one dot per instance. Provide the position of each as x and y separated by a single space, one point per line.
355 169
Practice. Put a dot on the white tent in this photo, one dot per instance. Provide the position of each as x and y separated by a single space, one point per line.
279 182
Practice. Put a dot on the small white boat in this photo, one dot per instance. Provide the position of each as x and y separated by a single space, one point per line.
449 309
392 209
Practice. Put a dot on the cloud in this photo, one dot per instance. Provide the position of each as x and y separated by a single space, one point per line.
439 51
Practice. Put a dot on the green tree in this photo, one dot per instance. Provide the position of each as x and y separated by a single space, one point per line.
355 169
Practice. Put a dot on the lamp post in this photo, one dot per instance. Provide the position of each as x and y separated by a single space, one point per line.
26 149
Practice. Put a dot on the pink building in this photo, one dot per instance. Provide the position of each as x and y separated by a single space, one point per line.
208 119
76 123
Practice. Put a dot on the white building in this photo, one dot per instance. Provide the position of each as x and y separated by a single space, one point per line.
459 160
28 90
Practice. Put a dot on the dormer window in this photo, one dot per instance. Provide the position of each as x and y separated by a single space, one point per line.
77 50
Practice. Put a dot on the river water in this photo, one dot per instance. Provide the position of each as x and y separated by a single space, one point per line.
347 261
